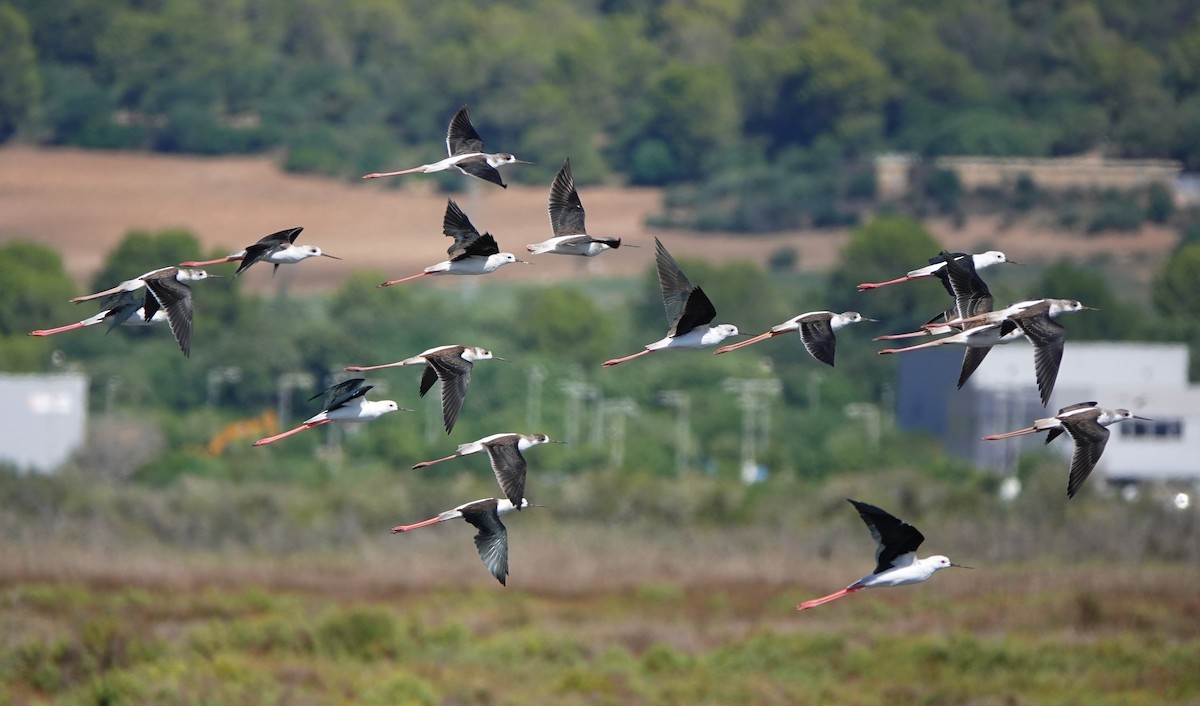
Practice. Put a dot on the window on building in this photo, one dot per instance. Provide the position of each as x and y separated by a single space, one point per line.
1161 428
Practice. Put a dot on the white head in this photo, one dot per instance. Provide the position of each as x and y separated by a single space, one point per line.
505 158
501 259
314 251
1118 415
1064 306
939 562
727 330
989 258
845 318
474 353
192 275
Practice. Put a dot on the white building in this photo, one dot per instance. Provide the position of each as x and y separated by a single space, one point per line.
1149 379
42 419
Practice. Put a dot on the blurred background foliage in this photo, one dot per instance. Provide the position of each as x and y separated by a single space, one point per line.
762 114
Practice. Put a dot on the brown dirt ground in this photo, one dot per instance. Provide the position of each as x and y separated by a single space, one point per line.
83 202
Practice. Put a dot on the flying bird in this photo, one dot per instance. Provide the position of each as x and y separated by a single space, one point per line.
816 329
505 453
492 539
689 312
1088 425
471 253
277 248
934 268
566 220
451 365
344 402
466 154
120 309
896 562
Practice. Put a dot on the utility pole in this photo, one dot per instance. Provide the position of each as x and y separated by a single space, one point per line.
754 399
682 402
576 391
217 376
619 410
284 385
869 413
533 402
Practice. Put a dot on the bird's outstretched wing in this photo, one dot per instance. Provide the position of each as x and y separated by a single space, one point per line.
455 374
894 537
340 394
467 240
461 137
265 246
566 210
1090 439
687 306
492 539
509 466
819 340
175 298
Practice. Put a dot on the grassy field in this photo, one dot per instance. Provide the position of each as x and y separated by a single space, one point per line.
215 592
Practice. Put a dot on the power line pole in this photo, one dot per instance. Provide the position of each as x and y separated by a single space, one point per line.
619 410
533 402
576 391
754 400
284 385
682 402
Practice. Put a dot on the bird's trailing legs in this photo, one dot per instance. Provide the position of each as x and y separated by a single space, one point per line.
363 368
617 361
60 329
376 175
743 344
201 263
876 285
404 279
424 523
97 295
830 598
1011 434
297 430
423 464
930 344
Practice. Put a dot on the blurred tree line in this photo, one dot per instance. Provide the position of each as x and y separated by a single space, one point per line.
554 336
766 111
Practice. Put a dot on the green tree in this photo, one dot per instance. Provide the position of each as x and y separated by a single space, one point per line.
33 296
20 85
1175 290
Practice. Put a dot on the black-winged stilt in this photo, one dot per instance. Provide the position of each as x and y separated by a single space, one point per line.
277 248
933 269
492 539
344 402
120 309
689 312
471 253
1088 425
466 154
896 562
451 365
816 329
504 452
567 222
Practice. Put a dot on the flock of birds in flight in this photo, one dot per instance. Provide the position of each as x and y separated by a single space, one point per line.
970 322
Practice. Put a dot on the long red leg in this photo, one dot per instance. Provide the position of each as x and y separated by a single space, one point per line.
405 279
60 329
426 523
362 368
423 464
931 344
911 334
297 430
827 599
617 361
876 285
376 175
1011 434
202 263
743 344
97 295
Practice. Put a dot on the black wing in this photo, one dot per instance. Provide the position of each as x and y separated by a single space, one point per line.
687 306
509 466
175 298
1047 337
566 211
492 539
461 137
971 360
467 240
942 275
1090 439
481 169
342 393
893 536
265 246
428 377
120 308
455 374
818 339
970 292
